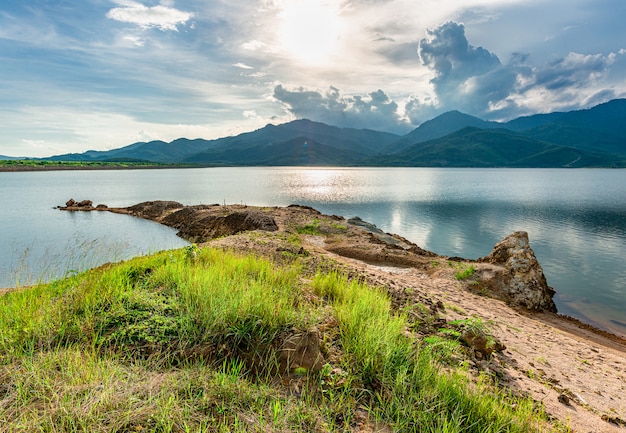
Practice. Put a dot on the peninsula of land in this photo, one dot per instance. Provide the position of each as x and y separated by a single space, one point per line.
286 319
576 371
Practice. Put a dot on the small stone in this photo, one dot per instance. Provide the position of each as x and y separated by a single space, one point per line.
564 399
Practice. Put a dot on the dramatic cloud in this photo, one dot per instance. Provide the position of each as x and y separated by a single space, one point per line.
447 51
457 65
161 17
474 80
374 111
574 70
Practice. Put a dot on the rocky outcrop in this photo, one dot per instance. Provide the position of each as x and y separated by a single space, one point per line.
203 222
73 205
196 226
391 240
154 210
522 281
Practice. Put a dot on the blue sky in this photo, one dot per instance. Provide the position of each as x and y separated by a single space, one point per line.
101 74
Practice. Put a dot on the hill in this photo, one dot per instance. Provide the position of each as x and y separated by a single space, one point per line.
473 147
595 137
232 150
438 127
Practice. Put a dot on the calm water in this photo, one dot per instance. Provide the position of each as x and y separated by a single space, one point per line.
576 219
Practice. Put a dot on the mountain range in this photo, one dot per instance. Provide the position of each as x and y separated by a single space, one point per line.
594 137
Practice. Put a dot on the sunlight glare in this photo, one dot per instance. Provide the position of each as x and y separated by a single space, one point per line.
310 30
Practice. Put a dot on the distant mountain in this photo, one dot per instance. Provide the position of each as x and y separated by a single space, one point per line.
11 158
594 137
358 142
601 128
598 129
474 147
438 127
300 151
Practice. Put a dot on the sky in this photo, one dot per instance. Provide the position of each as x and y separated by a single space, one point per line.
77 75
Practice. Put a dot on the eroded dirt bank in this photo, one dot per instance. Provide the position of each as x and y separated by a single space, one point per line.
578 373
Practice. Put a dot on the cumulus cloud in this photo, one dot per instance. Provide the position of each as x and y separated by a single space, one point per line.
374 111
163 17
447 51
474 80
456 63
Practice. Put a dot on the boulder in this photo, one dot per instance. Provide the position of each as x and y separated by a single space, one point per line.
71 202
85 203
522 281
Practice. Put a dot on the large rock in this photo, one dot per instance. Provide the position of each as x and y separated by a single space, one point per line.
523 281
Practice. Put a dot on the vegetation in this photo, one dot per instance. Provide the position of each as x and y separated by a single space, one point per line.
36 164
464 274
191 341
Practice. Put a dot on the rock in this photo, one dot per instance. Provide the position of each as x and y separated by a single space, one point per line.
394 241
102 206
71 202
482 344
522 282
302 351
563 399
85 203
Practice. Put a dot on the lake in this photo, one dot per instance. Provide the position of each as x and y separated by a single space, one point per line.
576 219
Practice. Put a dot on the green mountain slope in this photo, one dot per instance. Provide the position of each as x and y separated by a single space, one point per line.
298 151
582 138
356 141
438 127
474 147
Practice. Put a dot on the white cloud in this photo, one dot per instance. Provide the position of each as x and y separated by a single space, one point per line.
250 114
242 66
374 111
161 17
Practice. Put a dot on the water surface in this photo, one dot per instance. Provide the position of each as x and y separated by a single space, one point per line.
576 219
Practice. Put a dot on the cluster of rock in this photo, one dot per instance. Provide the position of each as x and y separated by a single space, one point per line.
72 204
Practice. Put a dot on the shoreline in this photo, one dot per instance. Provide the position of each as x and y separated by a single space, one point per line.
574 370
87 167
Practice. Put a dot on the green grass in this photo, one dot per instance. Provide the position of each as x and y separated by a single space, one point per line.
312 228
464 274
25 164
189 341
